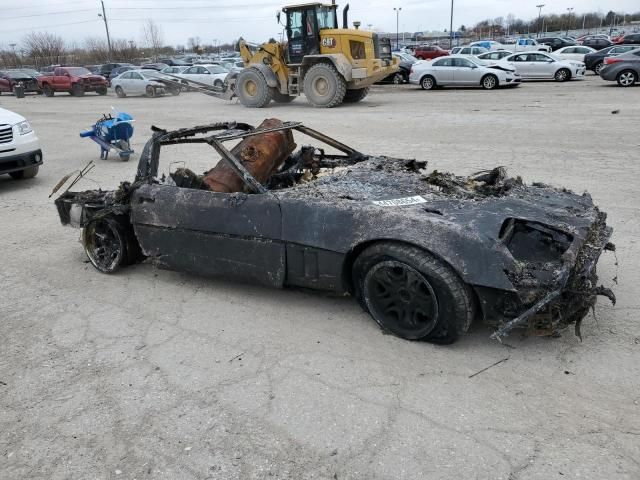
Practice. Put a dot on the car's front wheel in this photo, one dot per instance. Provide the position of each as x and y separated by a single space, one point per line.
489 82
150 91
120 92
562 75
626 78
412 294
428 82
110 244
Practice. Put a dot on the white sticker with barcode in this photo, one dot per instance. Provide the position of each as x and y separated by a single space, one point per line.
400 202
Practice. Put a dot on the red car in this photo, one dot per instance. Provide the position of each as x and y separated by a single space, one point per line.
11 78
75 80
430 52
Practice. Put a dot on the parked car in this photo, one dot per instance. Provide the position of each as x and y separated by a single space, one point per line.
460 70
74 80
528 45
595 60
489 45
582 38
540 65
629 39
20 153
596 43
173 70
624 68
495 55
556 43
174 62
210 74
429 52
154 66
30 71
404 68
468 50
105 69
9 79
574 52
143 82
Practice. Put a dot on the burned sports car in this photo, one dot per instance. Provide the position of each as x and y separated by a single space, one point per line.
423 252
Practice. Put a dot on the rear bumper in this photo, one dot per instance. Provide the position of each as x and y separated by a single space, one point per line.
20 161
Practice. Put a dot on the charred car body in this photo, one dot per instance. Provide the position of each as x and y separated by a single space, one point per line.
423 253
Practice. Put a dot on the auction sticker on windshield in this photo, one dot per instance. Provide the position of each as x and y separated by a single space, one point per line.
399 202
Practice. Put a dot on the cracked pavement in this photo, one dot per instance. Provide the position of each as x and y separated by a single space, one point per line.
162 375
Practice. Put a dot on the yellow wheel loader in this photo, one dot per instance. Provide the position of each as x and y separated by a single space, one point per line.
329 65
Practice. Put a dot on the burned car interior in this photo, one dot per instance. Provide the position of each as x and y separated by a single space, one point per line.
423 252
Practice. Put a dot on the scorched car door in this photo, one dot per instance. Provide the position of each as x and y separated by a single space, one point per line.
234 235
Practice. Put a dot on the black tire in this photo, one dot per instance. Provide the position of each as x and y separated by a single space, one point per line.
185 86
47 90
102 91
175 91
110 244
120 92
281 97
627 78
24 174
324 87
397 79
252 89
428 82
597 67
150 91
218 83
354 96
412 294
77 90
489 82
562 75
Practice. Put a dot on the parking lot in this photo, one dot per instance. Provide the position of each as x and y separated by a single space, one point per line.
153 374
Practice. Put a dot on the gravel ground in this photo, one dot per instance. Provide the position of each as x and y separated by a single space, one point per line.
162 375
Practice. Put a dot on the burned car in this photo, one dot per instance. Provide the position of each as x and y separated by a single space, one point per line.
423 252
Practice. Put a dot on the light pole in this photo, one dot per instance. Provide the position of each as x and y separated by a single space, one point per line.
106 27
539 7
569 9
451 27
397 10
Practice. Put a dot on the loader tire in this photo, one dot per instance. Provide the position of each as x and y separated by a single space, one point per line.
252 89
324 86
354 96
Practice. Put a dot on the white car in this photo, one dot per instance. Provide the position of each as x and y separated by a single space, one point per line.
174 70
468 50
144 82
528 45
573 52
490 45
544 66
494 55
462 71
211 74
20 153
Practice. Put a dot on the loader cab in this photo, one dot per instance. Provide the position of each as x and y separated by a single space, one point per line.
304 23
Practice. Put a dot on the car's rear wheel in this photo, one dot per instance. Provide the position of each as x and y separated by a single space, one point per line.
627 78
120 92
598 67
412 294
562 75
150 91
428 82
489 82
24 174
110 244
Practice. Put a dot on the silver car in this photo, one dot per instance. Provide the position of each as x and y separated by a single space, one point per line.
143 82
541 66
462 71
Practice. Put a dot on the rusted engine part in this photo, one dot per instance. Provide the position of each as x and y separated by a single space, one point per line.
261 155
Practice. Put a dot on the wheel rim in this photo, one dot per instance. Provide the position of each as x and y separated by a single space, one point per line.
561 75
598 68
119 92
427 83
397 79
321 86
150 91
627 78
103 245
401 299
489 82
250 88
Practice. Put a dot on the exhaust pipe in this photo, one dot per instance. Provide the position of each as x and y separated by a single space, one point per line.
345 18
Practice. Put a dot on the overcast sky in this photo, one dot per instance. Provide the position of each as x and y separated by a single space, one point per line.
225 20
